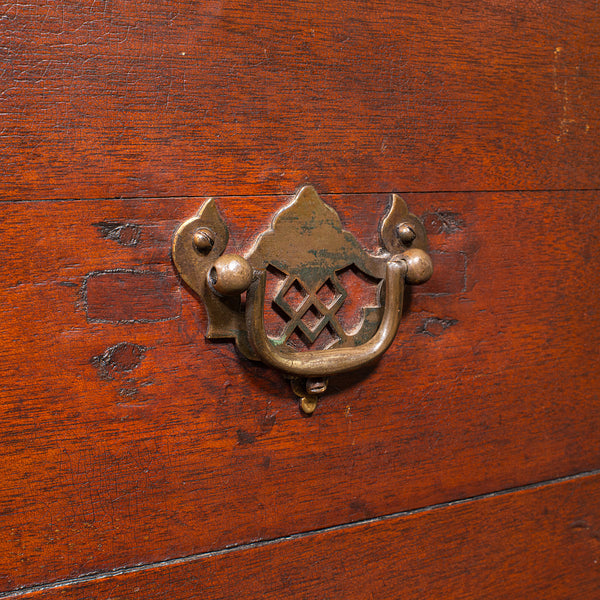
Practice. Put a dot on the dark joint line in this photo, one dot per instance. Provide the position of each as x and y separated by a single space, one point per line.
173 562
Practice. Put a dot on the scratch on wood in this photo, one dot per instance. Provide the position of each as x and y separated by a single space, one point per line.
566 84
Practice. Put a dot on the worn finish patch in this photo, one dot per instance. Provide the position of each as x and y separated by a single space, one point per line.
130 296
119 359
125 234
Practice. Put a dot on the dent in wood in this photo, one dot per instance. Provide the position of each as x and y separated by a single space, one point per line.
118 359
443 221
125 234
434 326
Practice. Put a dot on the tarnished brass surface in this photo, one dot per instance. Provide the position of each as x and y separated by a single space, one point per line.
308 399
307 245
230 275
335 360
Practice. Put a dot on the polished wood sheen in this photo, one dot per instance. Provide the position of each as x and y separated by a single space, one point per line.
181 97
531 544
140 441
140 460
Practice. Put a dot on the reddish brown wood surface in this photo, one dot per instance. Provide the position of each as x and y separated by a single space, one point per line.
169 98
538 543
128 439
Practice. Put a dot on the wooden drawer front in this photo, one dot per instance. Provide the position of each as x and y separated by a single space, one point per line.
140 441
175 97
535 543
138 459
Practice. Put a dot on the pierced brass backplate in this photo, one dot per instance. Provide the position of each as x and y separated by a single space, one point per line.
307 250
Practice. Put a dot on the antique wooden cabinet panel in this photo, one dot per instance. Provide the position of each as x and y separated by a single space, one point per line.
139 460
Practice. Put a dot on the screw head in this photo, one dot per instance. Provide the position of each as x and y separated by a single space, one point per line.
204 240
406 233
316 386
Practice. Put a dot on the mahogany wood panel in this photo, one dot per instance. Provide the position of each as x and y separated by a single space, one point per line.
128 439
180 97
531 544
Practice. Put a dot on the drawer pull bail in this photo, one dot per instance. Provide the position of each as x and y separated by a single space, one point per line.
301 260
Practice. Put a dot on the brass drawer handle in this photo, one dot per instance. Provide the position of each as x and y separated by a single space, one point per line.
319 363
308 248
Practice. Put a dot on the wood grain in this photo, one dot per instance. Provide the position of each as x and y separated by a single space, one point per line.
179 97
131 441
532 544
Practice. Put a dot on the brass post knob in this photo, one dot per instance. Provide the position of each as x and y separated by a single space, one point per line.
230 275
